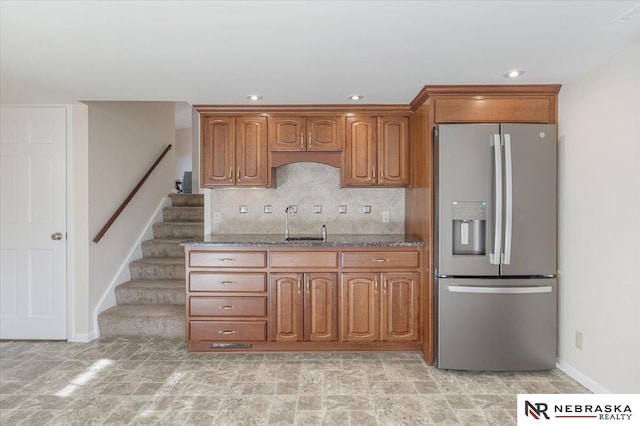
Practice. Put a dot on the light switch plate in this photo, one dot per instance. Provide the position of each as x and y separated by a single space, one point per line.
244 209
385 217
217 217
317 208
342 209
268 208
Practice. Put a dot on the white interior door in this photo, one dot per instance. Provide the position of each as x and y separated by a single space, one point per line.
33 273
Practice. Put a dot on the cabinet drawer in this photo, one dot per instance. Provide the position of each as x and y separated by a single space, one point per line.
212 281
380 259
304 259
221 259
228 330
228 306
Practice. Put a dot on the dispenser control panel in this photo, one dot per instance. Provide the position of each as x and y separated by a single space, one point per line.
469 227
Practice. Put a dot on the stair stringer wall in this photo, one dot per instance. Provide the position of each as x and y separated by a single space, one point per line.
108 299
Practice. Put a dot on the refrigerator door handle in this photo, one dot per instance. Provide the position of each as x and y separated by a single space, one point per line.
495 257
500 290
508 197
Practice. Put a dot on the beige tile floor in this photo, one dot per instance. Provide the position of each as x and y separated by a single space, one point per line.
145 381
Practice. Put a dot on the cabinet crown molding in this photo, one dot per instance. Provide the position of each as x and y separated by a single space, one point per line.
484 90
305 109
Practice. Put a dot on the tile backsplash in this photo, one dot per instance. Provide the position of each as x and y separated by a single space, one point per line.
310 187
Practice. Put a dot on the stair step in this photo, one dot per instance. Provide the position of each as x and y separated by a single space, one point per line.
178 230
162 248
143 320
160 268
183 214
193 200
149 292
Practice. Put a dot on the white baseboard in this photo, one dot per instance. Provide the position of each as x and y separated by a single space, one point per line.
581 378
108 298
83 337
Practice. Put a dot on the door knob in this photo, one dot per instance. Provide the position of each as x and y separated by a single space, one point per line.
56 236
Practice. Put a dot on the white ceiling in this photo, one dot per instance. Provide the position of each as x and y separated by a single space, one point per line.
298 52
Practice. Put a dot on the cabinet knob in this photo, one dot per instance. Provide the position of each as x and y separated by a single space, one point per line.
227 332
227 259
380 260
227 307
226 282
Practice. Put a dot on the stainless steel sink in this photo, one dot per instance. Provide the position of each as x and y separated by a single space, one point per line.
304 239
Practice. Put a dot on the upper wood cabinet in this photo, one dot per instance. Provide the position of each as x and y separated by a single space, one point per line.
300 133
376 151
234 151
217 151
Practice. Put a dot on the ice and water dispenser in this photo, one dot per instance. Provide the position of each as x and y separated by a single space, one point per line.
469 227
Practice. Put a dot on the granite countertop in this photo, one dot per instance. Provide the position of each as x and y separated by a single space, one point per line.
335 240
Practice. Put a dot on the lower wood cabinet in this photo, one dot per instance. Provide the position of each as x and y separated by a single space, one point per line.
287 298
379 307
303 307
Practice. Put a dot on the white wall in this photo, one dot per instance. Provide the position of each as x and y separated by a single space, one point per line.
78 227
183 152
125 138
599 215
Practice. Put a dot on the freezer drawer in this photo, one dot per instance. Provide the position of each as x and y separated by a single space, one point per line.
496 324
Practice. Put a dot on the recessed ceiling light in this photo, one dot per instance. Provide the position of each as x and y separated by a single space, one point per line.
355 97
254 98
514 73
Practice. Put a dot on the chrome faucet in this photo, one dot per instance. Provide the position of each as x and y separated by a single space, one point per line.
288 211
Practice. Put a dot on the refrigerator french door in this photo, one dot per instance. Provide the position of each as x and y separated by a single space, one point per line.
495 239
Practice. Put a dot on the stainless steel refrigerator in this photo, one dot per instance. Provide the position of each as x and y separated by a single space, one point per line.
495 246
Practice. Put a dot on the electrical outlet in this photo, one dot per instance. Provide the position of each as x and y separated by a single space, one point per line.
366 209
385 217
268 208
317 208
244 209
579 339
217 217
342 209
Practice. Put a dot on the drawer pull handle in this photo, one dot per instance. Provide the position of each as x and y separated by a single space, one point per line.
227 332
227 259
226 282
227 307
380 260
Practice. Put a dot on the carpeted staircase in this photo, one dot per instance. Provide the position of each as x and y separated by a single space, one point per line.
152 303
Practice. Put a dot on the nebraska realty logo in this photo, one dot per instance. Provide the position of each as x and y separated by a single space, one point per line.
578 409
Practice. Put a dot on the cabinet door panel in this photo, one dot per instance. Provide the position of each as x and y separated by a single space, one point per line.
251 151
360 165
393 151
286 308
399 307
217 151
287 133
325 134
360 307
321 307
